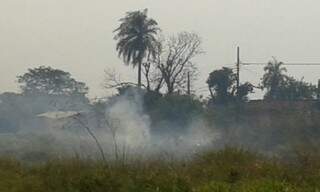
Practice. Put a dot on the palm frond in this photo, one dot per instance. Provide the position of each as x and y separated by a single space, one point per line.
136 37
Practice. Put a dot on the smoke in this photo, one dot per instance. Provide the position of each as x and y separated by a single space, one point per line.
127 134
123 129
134 132
130 123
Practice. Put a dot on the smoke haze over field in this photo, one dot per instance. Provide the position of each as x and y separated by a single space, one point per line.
76 35
138 124
59 134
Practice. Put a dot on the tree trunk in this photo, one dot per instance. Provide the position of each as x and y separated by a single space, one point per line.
139 73
170 89
211 93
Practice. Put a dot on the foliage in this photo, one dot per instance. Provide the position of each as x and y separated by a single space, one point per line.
283 87
274 78
222 87
220 84
136 38
44 89
297 90
49 81
175 112
223 171
267 126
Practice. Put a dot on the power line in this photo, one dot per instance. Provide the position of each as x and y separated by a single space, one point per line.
238 63
251 71
310 64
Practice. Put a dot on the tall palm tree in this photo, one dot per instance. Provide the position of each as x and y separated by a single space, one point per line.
274 78
136 38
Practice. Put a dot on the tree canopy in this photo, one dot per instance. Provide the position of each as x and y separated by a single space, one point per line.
280 86
49 81
222 87
274 78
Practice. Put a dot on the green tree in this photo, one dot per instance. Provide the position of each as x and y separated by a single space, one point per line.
136 38
220 84
49 81
280 86
297 90
223 89
244 90
274 78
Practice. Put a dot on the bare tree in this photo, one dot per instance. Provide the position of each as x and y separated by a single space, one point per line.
153 76
169 67
175 60
112 80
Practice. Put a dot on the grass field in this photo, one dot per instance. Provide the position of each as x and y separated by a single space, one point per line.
221 171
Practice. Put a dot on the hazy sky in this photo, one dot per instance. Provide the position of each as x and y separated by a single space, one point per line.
76 35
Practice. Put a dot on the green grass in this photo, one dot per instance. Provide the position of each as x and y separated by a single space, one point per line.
229 170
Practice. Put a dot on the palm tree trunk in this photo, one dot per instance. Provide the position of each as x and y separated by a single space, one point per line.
139 73
211 93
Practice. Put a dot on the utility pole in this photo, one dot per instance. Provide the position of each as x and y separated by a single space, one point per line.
318 94
188 84
238 69
237 93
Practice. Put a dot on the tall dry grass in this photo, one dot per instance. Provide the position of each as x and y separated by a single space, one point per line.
227 170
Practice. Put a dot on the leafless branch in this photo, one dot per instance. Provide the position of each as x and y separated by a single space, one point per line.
112 80
176 57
